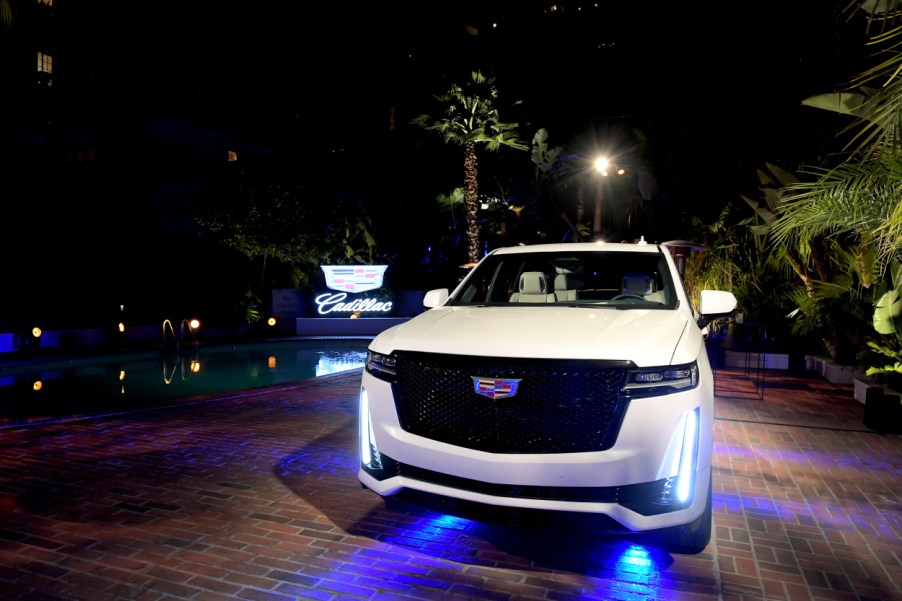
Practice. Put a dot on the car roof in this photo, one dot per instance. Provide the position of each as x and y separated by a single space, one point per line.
557 247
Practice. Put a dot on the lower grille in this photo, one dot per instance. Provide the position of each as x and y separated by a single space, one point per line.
561 406
646 498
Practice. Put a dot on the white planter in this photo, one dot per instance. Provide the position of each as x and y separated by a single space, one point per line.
776 361
820 366
832 372
862 383
839 374
815 364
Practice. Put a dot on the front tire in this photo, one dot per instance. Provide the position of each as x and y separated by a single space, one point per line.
692 538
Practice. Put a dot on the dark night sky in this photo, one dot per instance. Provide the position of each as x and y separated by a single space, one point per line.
717 85
720 68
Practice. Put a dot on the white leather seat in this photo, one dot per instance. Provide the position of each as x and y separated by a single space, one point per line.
561 290
639 284
642 284
533 288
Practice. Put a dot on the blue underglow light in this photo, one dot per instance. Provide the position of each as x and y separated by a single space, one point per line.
635 559
335 362
444 520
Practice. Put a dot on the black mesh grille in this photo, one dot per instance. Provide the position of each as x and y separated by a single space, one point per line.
561 406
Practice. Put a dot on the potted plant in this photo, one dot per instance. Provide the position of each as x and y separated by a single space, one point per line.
883 406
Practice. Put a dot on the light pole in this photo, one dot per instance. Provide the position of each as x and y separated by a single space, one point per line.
603 166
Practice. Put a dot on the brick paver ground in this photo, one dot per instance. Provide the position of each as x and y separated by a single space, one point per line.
254 496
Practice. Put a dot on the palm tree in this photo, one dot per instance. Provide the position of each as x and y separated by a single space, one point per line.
470 117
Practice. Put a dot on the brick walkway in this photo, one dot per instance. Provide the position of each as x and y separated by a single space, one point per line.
254 496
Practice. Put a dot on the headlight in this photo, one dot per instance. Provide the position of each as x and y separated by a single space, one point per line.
381 366
657 381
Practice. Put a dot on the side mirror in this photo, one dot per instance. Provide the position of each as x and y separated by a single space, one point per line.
715 304
435 298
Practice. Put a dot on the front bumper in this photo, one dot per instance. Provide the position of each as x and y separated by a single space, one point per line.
626 482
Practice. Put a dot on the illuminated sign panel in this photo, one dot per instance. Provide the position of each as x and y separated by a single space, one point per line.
352 279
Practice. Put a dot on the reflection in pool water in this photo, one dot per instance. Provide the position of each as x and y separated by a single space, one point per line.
90 386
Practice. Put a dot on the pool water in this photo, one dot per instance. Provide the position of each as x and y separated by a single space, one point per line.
113 384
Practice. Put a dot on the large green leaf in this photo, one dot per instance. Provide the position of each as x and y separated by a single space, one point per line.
880 7
887 309
784 177
838 102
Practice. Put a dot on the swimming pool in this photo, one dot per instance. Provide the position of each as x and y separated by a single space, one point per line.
68 388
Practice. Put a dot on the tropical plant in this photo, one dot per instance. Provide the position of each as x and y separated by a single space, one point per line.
447 202
737 253
267 213
550 175
545 158
888 310
451 204
828 298
845 220
247 308
469 117
728 259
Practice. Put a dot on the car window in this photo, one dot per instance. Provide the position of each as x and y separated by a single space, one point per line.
620 279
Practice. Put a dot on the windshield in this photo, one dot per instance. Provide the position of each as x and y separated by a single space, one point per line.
622 279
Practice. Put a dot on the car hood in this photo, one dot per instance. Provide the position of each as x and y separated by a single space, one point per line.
644 336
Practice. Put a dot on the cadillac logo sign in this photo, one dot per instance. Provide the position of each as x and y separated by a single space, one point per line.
493 388
350 279
354 278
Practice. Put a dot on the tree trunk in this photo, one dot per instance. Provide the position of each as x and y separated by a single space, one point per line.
472 201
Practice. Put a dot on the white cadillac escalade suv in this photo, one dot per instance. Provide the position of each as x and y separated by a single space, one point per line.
566 377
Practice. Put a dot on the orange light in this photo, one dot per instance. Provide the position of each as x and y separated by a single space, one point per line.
36 332
271 362
37 385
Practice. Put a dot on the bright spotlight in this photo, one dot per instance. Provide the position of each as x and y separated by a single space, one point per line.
601 165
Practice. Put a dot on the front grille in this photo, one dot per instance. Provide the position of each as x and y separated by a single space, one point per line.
561 406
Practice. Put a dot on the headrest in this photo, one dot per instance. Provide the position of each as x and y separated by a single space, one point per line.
638 283
560 281
533 282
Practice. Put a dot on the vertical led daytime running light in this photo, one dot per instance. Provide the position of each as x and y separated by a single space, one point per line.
364 428
688 457
369 455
